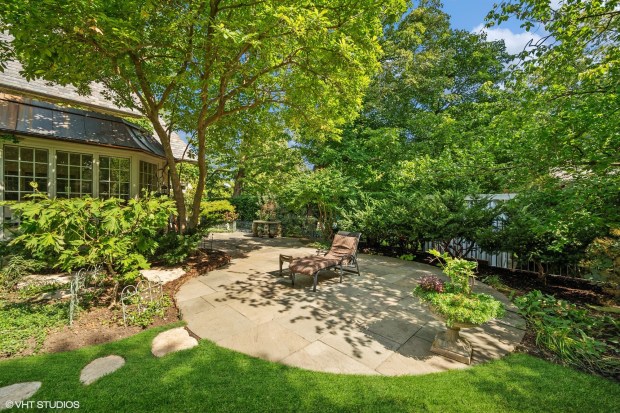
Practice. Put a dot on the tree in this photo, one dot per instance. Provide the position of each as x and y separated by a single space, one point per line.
188 64
254 148
565 89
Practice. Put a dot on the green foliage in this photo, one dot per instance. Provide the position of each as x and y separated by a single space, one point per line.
246 206
35 290
461 308
268 208
15 268
572 334
452 221
517 383
149 310
554 222
456 303
81 232
198 65
603 258
320 245
215 212
175 249
560 117
322 189
460 271
21 323
495 281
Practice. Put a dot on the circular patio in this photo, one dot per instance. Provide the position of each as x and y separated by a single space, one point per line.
369 324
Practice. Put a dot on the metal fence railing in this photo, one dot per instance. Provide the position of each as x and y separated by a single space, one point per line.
505 260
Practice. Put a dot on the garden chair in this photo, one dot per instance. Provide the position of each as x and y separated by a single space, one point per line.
342 255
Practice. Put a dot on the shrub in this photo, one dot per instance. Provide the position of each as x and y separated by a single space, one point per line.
603 260
246 206
82 232
174 249
572 334
214 212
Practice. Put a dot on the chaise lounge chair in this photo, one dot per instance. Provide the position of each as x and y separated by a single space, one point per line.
343 252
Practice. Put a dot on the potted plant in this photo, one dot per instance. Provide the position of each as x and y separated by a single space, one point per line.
455 304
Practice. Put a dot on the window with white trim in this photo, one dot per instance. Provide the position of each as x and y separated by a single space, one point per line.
22 166
114 174
74 174
148 177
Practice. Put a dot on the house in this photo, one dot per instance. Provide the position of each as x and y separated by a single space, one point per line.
73 145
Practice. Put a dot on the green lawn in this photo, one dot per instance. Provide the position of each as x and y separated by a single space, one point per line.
210 378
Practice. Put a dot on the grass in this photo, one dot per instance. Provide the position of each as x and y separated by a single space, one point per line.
210 378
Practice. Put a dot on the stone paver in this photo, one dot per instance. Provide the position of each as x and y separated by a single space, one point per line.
218 323
163 275
318 356
192 289
369 324
100 367
17 392
269 341
173 340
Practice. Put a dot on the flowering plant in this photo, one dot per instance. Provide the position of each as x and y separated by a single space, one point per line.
432 283
454 300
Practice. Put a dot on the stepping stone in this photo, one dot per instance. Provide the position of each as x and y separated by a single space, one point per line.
171 341
17 392
162 275
100 367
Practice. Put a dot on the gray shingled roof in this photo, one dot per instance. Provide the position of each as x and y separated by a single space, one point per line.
12 81
42 91
32 117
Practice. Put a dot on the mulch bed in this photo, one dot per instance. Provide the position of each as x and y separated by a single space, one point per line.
100 324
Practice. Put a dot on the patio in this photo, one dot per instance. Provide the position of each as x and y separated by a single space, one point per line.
369 324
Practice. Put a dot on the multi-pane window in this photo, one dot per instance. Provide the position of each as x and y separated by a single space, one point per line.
74 174
148 176
21 167
114 177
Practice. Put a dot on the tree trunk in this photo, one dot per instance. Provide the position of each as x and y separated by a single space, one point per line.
202 177
175 179
541 273
238 188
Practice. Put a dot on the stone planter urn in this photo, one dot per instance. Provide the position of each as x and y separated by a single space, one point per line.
449 343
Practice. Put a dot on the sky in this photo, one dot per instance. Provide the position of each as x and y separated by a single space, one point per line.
469 15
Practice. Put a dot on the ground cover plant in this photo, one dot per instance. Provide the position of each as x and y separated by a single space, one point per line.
24 325
211 378
575 336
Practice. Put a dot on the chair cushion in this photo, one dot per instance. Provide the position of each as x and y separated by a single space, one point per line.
342 245
310 265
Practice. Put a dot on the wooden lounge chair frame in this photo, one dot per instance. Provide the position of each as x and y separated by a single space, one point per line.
332 258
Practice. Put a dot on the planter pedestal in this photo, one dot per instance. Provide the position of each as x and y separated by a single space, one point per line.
451 345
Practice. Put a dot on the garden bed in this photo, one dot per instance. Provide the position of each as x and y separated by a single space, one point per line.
100 324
